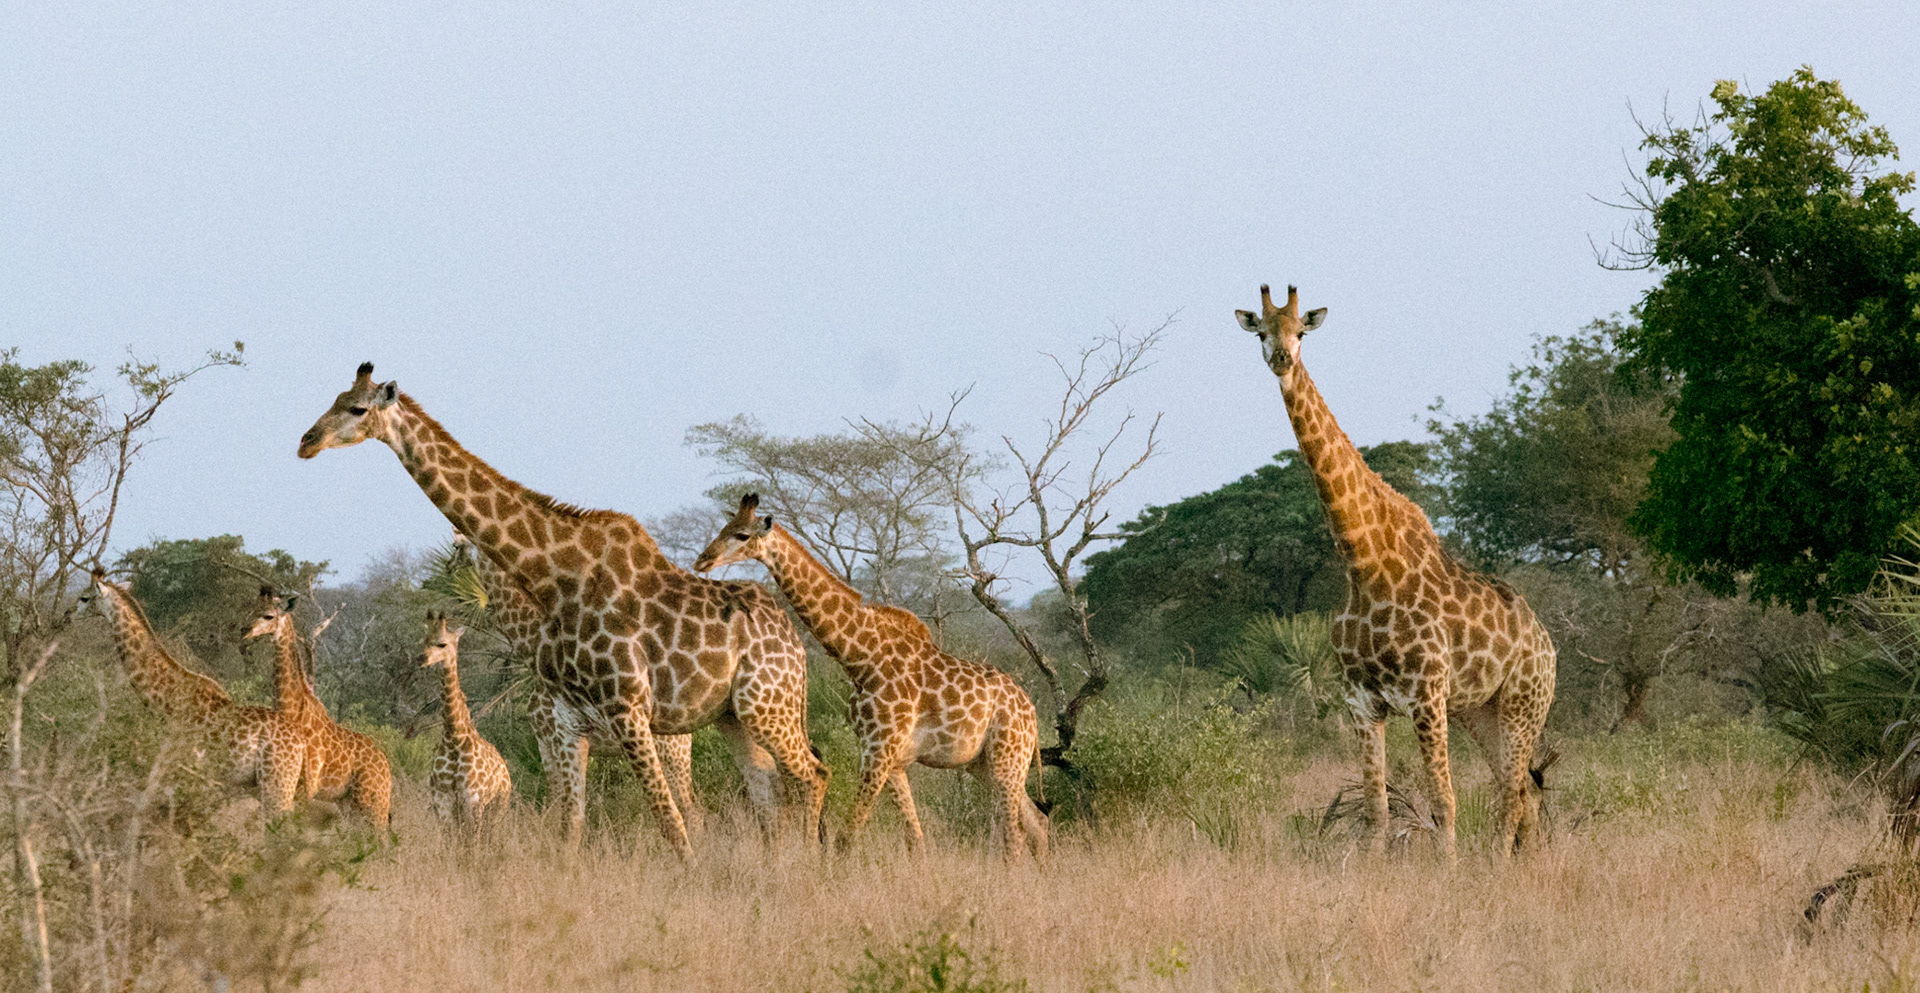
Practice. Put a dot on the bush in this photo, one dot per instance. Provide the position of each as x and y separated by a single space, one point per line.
933 961
1191 762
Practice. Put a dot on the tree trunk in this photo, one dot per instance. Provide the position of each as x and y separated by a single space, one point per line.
1634 709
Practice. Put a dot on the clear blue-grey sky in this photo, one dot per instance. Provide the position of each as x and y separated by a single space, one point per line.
571 231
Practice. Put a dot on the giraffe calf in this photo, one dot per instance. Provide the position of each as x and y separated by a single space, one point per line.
469 780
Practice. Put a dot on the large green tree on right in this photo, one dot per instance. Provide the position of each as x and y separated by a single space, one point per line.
1787 311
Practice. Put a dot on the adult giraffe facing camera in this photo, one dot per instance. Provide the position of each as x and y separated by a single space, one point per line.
1419 633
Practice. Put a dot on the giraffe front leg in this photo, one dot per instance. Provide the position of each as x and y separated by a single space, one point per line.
877 764
1430 726
636 739
1370 729
903 798
1521 721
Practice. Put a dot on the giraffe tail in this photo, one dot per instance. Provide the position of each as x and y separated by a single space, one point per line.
1039 778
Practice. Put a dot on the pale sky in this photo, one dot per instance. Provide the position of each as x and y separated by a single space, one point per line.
573 230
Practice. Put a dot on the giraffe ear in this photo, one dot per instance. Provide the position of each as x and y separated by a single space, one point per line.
766 523
1247 320
389 393
1315 318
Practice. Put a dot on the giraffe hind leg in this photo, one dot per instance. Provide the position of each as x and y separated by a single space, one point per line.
676 758
1430 726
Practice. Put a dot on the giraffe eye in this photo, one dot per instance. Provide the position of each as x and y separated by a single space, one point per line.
740 536
357 411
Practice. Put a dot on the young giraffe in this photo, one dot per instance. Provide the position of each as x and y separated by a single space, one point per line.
1419 633
340 764
469 777
911 702
632 643
519 622
262 747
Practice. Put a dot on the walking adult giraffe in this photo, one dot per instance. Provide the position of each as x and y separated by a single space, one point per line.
340 764
1419 633
911 702
632 642
519 622
259 746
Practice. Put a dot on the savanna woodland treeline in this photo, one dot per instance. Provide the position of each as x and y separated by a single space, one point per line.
1712 500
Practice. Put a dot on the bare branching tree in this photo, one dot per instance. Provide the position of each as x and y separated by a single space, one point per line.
1055 509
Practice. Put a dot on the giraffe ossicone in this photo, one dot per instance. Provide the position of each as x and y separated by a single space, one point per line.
1419 633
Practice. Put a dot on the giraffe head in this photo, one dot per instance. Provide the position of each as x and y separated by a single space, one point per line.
355 416
739 539
442 648
270 612
1281 328
98 597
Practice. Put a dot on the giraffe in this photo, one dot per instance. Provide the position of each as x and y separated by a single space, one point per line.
469 778
1419 633
911 702
341 764
519 622
259 746
632 643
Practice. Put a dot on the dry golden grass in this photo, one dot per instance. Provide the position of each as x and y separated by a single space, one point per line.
1664 872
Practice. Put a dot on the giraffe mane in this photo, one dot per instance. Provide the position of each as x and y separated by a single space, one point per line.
542 500
915 626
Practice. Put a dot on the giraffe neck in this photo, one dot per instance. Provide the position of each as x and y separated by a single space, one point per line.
510 524
1361 508
176 690
459 718
832 610
291 693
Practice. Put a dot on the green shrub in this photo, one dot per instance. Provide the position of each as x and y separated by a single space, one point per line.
1196 762
933 961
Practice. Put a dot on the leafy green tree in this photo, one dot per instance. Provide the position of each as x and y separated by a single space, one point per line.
204 590
1194 573
1787 311
1552 473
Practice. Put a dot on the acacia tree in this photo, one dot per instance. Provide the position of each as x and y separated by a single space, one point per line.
1054 509
1786 310
870 501
65 451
